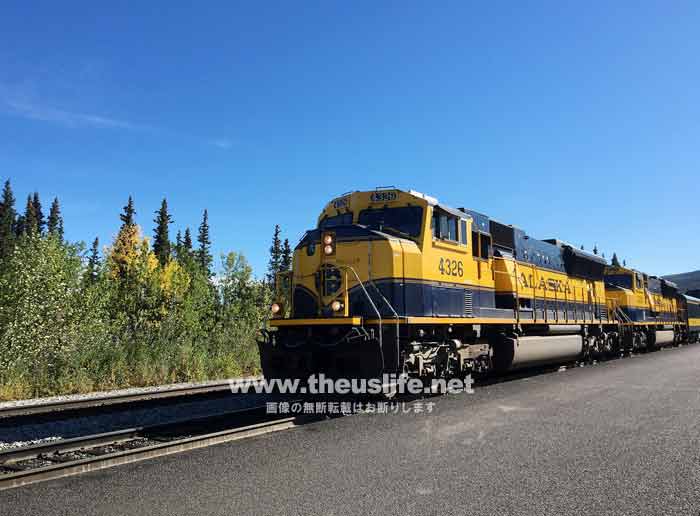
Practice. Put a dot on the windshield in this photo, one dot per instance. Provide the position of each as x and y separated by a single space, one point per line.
619 280
405 221
344 219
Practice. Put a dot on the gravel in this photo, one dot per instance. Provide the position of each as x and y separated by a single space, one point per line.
25 431
99 395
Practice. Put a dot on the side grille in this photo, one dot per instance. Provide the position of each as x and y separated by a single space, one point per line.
468 304
602 312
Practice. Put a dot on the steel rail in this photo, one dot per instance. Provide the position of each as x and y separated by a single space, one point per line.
117 398
107 460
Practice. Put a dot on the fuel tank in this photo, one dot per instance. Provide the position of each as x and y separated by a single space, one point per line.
511 353
664 337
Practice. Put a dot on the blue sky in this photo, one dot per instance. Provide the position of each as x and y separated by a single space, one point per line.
573 121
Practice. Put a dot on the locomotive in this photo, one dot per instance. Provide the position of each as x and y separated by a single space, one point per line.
395 282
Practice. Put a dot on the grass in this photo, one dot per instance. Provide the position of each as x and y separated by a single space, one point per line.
117 369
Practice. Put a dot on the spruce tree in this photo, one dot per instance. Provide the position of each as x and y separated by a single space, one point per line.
19 226
55 222
30 226
286 259
615 260
127 217
93 266
161 236
38 213
273 266
595 249
204 252
7 222
178 244
187 242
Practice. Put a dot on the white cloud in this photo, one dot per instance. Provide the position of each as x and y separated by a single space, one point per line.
68 118
222 143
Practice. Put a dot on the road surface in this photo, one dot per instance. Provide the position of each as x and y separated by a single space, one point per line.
618 438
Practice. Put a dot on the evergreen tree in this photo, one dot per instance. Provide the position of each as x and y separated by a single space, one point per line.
161 237
204 252
127 217
178 244
93 266
286 259
273 266
7 222
582 249
19 226
187 242
30 225
595 249
55 222
615 260
38 213
624 263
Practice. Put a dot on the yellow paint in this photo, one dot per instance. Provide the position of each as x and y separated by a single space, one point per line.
639 296
353 321
428 259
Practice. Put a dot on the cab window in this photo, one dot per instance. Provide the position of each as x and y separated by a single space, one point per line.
481 245
342 219
404 221
619 280
444 226
485 246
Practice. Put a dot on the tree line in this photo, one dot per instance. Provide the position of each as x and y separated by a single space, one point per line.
138 311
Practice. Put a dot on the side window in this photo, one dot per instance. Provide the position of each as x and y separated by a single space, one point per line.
444 226
485 246
463 232
475 244
452 228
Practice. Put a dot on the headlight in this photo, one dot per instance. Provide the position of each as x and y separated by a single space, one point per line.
328 249
336 306
275 308
328 239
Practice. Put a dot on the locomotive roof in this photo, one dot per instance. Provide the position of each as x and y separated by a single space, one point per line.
692 299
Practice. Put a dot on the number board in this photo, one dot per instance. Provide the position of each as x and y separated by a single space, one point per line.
384 196
342 202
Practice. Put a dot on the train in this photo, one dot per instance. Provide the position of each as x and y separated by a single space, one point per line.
394 282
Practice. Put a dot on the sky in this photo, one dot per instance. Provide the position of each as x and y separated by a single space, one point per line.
574 120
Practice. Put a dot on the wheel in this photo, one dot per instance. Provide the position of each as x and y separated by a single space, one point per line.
601 346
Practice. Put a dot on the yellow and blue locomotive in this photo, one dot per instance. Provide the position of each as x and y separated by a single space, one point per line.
690 316
395 282
646 307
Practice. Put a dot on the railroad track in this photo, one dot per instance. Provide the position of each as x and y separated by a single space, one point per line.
62 458
109 399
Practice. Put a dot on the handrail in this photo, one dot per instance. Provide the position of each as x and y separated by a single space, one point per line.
621 313
396 316
376 310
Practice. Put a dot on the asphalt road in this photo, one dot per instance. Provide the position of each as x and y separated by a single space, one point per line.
618 438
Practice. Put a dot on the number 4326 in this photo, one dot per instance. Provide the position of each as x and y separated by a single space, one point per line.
449 267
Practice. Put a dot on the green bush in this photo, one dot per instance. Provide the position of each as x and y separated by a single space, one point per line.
67 326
